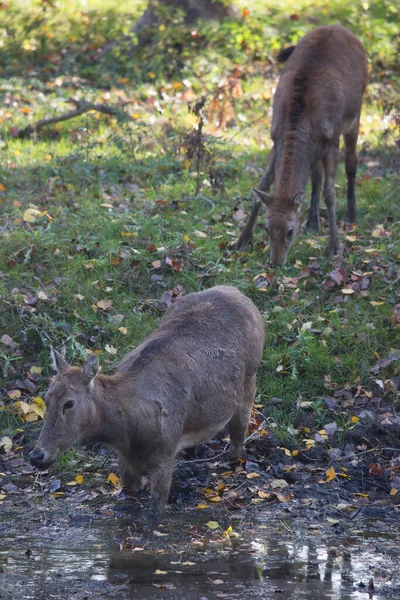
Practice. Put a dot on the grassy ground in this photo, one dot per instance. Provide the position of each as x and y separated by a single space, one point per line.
99 216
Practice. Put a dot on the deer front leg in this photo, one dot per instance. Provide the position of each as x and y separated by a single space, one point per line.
312 223
246 236
160 485
131 480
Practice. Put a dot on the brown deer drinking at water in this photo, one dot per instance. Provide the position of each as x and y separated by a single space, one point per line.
318 98
195 374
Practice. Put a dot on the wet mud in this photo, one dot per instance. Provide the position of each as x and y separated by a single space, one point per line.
85 554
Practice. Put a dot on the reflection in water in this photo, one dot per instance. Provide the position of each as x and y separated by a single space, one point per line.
259 562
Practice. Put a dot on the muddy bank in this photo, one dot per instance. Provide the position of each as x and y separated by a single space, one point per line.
302 526
83 553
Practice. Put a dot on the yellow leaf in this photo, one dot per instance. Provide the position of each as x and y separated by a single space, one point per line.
2 496
2 187
212 524
39 401
199 506
263 495
151 75
104 304
355 419
330 474
48 157
114 479
26 110
373 303
393 491
159 572
30 215
79 479
123 330
36 410
31 417
252 475
215 499
360 495
136 115
36 370
22 407
228 531
282 497
347 291
309 443
295 452
286 451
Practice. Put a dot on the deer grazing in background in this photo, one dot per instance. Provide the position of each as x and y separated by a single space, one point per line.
195 374
317 99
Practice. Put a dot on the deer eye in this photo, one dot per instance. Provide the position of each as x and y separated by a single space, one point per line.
69 404
289 233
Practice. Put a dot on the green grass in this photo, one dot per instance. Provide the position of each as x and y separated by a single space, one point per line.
114 195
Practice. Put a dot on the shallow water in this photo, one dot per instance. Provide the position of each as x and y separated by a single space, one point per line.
61 557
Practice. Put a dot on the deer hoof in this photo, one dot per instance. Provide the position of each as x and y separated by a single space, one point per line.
243 243
311 225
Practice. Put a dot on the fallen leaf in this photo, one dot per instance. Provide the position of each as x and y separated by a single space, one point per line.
5 444
114 479
8 341
283 497
79 479
104 304
212 524
330 474
30 215
110 349
279 483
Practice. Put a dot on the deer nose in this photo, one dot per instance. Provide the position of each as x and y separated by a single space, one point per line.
36 457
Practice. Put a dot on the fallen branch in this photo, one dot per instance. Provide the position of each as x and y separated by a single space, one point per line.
81 108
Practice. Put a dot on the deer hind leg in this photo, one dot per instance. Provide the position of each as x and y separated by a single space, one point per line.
330 162
350 159
312 223
239 422
246 236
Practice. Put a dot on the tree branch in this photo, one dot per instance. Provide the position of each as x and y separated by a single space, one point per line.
81 108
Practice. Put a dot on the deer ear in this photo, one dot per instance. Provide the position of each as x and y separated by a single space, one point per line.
263 196
90 368
298 199
58 362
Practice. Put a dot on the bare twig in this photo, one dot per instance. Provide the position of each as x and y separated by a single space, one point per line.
81 108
